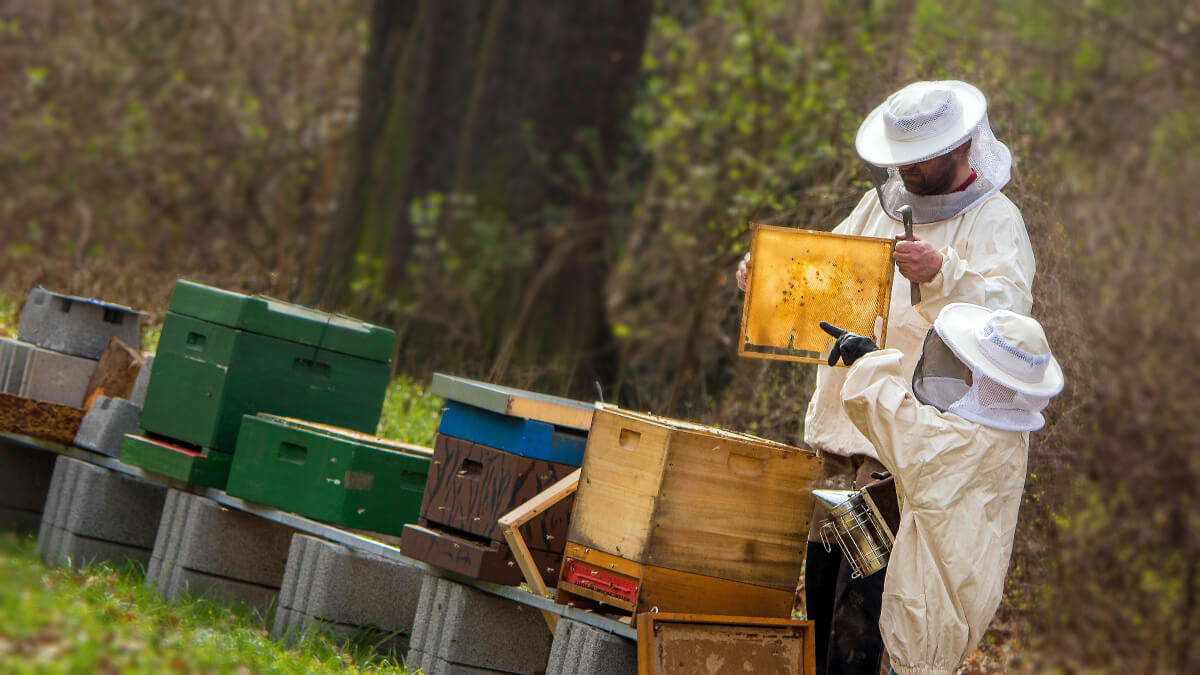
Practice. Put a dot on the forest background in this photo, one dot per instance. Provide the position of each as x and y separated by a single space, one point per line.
555 197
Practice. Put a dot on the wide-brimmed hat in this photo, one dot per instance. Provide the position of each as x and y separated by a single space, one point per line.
920 122
1007 347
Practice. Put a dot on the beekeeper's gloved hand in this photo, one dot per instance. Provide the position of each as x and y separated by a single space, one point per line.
849 347
743 271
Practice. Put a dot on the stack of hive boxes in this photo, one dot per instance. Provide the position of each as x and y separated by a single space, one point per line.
223 355
496 448
44 373
686 518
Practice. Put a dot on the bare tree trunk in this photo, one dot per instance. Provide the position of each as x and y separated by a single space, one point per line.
522 105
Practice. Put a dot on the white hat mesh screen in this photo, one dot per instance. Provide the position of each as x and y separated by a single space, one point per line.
994 405
991 161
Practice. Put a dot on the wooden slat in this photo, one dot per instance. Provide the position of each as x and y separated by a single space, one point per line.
115 372
556 410
619 486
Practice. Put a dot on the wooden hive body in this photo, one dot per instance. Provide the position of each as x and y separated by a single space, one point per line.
485 464
694 499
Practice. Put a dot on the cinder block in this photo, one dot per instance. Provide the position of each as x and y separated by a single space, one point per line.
138 395
580 649
25 476
176 581
74 550
106 423
76 326
98 511
332 588
202 545
467 627
43 374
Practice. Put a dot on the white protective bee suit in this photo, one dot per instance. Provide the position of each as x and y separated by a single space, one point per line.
960 474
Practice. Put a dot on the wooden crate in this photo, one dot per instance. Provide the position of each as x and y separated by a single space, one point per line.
470 487
696 499
676 643
589 578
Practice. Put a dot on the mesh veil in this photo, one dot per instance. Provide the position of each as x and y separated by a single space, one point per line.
939 380
990 159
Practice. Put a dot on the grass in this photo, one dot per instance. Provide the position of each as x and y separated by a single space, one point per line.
104 619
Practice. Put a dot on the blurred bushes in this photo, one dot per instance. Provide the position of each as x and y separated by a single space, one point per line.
154 139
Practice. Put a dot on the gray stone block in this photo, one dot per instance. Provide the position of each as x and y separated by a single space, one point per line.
332 588
138 395
175 581
351 587
111 510
200 535
467 627
43 374
74 550
580 649
106 423
76 326
25 476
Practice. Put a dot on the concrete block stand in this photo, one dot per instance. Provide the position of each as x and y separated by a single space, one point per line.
328 587
42 374
580 649
93 513
207 549
76 326
106 423
462 630
25 475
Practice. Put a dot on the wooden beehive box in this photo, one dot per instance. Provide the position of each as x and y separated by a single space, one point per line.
716 506
682 644
487 461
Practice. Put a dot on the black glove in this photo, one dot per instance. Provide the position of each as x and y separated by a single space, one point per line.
848 346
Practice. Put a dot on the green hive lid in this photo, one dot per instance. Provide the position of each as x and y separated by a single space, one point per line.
267 316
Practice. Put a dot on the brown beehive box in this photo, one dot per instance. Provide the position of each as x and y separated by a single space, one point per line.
799 278
670 643
693 498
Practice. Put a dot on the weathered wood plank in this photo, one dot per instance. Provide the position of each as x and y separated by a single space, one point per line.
556 410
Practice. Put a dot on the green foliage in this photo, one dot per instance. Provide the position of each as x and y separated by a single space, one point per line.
105 619
410 413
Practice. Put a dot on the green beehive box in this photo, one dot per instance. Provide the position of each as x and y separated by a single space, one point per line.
202 467
223 355
329 474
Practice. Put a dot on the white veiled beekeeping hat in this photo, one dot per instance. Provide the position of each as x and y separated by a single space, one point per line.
1013 373
926 120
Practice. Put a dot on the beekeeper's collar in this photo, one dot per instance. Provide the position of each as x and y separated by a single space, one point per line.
926 120
1013 373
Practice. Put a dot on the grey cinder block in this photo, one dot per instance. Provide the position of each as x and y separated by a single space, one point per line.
106 423
580 649
200 541
332 588
25 477
74 325
43 374
468 627
99 512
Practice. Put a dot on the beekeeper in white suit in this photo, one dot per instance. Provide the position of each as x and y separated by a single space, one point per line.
930 147
957 443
